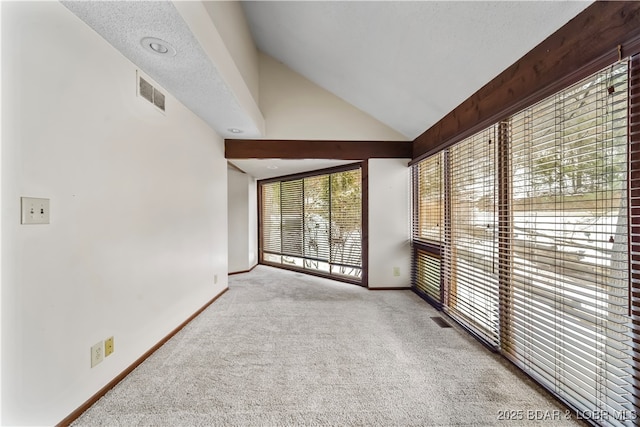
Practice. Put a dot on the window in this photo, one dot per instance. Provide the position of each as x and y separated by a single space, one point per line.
471 279
314 223
427 273
271 222
428 180
570 325
534 241
428 226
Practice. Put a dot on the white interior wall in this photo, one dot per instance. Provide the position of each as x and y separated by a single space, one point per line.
138 227
237 199
228 18
242 221
296 108
389 223
253 221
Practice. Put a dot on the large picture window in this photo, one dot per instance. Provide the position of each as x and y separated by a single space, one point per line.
314 223
534 254
471 280
569 275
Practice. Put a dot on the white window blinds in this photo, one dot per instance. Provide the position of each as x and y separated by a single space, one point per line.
292 217
346 222
427 272
535 240
571 329
314 223
271 218
428 218
428 226
472 276
634 207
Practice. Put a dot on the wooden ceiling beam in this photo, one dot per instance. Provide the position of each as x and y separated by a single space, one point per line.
316 149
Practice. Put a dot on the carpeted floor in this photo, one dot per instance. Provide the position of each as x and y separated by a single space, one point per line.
286 349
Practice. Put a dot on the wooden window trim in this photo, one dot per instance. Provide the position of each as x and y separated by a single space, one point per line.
364 168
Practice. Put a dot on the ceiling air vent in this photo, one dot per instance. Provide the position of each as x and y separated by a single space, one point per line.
150 93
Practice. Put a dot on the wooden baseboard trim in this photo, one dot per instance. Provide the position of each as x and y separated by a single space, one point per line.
242 272
391 288
93 399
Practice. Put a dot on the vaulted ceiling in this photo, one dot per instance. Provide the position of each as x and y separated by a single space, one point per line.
406 64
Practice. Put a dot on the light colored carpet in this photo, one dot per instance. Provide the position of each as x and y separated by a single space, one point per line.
286 349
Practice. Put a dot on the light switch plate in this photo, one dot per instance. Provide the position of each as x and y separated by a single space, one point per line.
34 211
97 353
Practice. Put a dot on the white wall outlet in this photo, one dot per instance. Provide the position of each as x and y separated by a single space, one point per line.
396 271
34 211
215 279
97 353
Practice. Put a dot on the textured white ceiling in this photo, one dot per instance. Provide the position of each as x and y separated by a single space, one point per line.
190 75
405 63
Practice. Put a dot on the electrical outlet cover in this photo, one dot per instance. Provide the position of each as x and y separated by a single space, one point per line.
108 346
97 353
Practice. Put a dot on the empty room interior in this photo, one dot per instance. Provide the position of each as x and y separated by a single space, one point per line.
320 213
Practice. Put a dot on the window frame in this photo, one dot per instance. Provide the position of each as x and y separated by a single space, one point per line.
504 188
363 167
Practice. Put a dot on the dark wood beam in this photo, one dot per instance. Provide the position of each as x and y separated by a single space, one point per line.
315 149
586 44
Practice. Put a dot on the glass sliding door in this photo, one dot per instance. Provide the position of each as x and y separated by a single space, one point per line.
314 223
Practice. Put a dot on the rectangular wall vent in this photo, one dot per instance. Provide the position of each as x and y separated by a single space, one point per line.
150 93
158 99
145 90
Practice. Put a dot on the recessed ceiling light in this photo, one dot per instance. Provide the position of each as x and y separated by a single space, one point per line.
234 130
272 167
158 46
